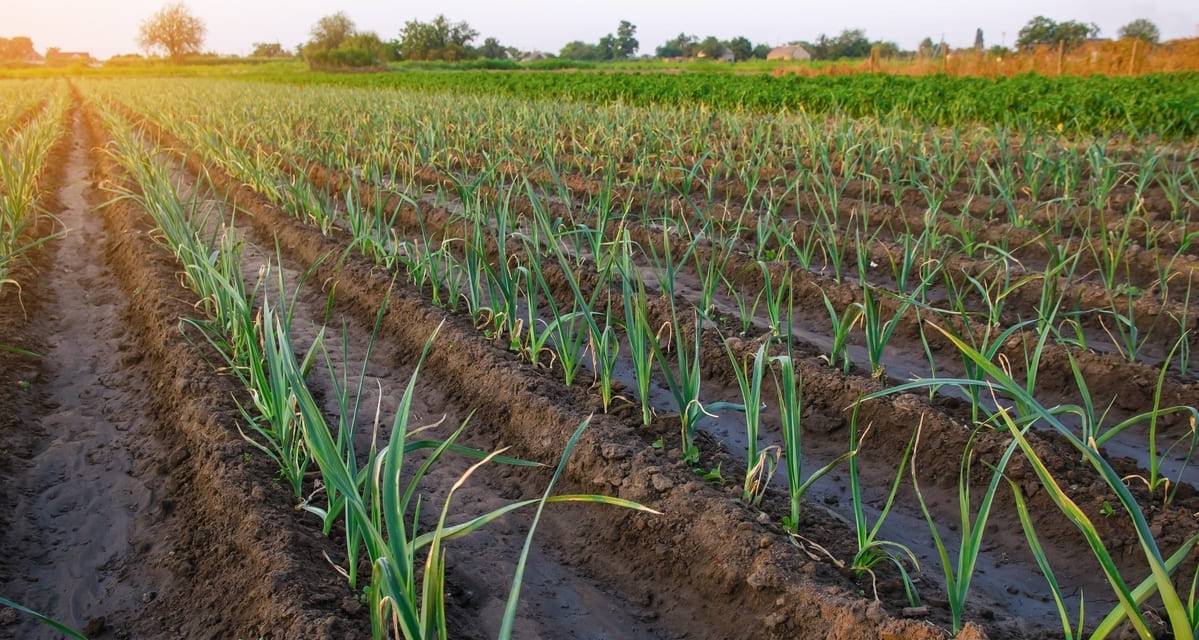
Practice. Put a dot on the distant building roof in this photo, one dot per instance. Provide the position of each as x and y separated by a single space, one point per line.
789 52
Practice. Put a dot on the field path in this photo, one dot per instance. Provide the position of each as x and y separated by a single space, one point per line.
81 501
128 494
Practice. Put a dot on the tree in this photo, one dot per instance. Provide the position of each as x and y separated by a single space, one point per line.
173 29
268 50
711 48
929 49
436 40
681 46
1042 30
886 49
370 42
579 50
762 51
741 47
330 31
978 40
606 49
1141 29
492 50
15 49
625 44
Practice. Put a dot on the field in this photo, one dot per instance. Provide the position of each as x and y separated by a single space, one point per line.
647 356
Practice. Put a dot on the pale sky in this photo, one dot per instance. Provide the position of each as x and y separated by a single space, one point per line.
105 28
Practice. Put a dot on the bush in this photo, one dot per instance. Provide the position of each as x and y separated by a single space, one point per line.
349 58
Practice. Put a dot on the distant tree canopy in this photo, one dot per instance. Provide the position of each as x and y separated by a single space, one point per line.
681 46
929 49
579 50
610 47
492 50
437 40
269 50
330 31
687 46
16 49
1141 29
625 45
174 30
1042 30
852 43
336 42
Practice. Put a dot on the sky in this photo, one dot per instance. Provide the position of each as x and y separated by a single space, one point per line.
108 28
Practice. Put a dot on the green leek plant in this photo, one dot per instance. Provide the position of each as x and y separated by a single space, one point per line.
22 159
878 331
1180 616
684 381
774 297
871 549
842 324
641 337
790 394
959 574
749 380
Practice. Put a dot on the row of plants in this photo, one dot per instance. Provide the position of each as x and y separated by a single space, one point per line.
373 496
24 152
512 299
1158 105
942 258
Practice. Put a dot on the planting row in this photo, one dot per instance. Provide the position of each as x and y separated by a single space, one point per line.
1152 105
1124 273
404 320
508 270
37 114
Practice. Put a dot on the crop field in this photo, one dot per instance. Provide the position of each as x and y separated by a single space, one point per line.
427 359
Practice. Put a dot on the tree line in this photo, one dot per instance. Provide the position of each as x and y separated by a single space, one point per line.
335 41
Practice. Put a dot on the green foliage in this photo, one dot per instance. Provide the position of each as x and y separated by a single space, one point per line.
610 47
341 59
1042 30
711 48
681 46
439 39
625 45
330 31
492 49
579 50
1154 104
851 43
1141 29
269 50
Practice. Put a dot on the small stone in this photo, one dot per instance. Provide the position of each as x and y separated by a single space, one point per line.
661 482
149 596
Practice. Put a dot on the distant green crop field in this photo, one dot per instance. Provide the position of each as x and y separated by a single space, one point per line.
1162 105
